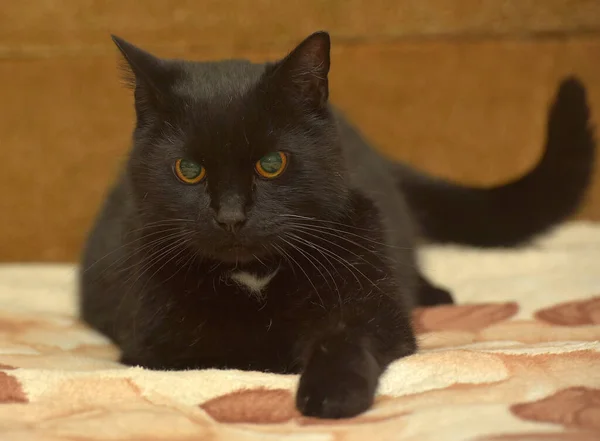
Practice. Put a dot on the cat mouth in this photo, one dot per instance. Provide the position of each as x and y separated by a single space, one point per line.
237 253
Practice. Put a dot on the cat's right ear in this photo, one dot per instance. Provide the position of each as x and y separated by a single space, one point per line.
149 76
303 73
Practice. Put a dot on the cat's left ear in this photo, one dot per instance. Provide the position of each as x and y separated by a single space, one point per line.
304 71
150 76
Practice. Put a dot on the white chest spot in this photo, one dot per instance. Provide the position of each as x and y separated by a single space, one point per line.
253 283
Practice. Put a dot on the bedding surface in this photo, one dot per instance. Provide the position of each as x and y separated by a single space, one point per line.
517 359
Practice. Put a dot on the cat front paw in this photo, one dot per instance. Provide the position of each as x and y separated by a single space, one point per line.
339 395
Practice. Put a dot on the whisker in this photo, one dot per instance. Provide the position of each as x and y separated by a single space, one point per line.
259 261
154 243
325 221
358 256
337 258
308 243
308 256
179 253
318 230
174 228
282 253
161 223
190 264
303 270
324 229
351 267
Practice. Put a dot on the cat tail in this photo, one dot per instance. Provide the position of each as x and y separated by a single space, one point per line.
510 214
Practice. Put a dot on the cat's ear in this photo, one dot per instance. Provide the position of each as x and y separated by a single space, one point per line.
149 76
304 71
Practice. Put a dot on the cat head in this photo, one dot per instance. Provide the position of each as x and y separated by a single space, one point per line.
234 153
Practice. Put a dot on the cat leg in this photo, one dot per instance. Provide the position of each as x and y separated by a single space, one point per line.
342 366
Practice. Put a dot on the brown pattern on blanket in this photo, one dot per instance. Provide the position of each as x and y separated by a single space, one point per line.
260 406
462 317
11 390
575 407
580 313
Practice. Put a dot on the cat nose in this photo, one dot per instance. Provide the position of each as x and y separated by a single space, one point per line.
230 219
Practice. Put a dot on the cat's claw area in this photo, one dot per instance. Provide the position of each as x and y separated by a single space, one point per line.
341 396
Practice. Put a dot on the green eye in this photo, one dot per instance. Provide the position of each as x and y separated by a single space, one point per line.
189 172
271 165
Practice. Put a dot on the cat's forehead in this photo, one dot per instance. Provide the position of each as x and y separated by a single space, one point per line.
230 135
223 116
201 81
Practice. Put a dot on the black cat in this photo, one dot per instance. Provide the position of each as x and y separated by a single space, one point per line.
254 228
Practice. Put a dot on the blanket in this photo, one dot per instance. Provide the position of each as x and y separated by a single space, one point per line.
517 359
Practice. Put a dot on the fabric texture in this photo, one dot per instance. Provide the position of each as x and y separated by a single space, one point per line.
517 359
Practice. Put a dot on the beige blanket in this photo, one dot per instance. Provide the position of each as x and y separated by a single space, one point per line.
519 359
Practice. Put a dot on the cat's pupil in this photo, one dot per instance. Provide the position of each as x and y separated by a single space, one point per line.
190 169
271 163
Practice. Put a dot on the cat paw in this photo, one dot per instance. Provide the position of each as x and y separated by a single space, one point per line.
430 295
343 395
435 297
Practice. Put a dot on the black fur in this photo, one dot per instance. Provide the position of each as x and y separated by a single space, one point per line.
157 269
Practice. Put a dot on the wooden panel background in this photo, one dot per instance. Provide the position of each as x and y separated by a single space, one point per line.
460 91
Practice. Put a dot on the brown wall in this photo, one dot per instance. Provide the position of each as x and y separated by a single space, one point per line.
460 92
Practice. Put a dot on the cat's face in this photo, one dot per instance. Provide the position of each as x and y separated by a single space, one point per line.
234 153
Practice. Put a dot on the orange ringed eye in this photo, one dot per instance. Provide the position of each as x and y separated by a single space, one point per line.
189 172
271 165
